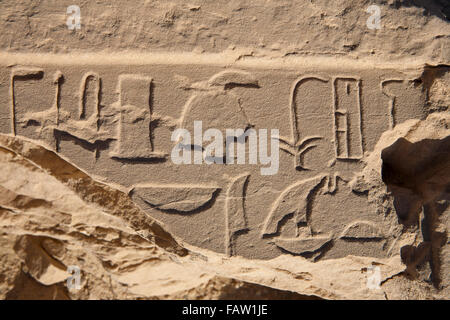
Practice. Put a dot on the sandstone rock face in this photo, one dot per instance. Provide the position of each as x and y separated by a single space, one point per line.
225 154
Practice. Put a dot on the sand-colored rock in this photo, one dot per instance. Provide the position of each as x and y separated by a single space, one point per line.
115 159
54 215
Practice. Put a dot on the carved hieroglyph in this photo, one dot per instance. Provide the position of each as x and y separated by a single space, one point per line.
114 121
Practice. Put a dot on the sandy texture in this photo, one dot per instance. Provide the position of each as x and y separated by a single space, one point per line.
309 27
357 179
53 216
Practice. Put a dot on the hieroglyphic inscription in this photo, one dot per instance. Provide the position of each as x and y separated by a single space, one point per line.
95 104
300 142
327 119
21 74
134 107
235 211
347 118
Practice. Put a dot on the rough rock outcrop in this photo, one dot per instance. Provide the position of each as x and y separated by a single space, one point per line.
101 182
53 216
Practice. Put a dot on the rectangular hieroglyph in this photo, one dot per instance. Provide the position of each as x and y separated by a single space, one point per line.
113 116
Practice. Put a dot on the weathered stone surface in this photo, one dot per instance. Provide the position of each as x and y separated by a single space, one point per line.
54 215
417 28
346 164
114 121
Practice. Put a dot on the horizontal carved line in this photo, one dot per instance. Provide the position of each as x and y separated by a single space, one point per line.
219 59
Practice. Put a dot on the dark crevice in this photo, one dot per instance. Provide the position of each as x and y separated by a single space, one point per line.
418 176
438 8
232 85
